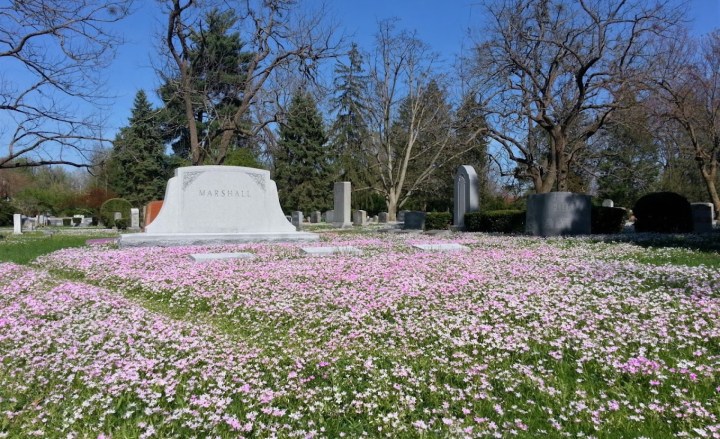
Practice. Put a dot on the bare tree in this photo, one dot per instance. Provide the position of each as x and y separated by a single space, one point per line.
51 56
554 66
401 71
688 95
277 36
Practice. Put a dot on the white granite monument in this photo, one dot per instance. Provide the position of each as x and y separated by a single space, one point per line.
218 205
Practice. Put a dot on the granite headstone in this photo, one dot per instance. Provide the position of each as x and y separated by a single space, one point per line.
465 194
341 212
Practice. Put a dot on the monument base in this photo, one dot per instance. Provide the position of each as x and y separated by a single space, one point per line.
183 239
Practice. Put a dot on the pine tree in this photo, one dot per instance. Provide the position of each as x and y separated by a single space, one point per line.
219 68
348 134
303 163
136 168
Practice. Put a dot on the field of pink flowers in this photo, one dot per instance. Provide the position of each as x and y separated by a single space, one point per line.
515 337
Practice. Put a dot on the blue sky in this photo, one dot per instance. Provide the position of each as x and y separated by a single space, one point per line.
443 24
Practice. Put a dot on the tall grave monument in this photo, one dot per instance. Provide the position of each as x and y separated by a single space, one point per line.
218 205
466 194
341 213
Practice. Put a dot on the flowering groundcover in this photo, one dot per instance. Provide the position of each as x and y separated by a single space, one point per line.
516 337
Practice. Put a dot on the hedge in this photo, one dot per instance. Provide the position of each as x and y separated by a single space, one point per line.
496 221
437 220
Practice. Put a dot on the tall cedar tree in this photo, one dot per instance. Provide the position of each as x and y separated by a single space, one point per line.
218 67
136 169
349 130
303 163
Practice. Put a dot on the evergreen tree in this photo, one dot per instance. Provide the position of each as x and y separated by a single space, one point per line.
348 134
137 168
218 68
303 163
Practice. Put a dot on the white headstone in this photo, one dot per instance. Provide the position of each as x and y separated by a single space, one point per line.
341 213
17 224
218 205
608 203
465 194
135 218
117 216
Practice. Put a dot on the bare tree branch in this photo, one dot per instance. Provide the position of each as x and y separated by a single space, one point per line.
54 51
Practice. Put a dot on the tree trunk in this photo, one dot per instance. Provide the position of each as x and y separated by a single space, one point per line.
391 200
561 161
190 117
710 177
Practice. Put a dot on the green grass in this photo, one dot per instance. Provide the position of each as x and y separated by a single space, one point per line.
25 248
679 257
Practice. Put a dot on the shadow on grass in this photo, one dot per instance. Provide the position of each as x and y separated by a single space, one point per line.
690 249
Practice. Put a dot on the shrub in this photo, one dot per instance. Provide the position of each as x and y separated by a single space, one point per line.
108 209
498 221
472 221
663 212
605 220
437 220
67 222
7 211
95 221
121 224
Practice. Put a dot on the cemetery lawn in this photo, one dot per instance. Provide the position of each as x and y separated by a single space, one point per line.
516 336
21 249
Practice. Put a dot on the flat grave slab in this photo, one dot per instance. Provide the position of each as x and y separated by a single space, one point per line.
206 257
329 251
446 247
